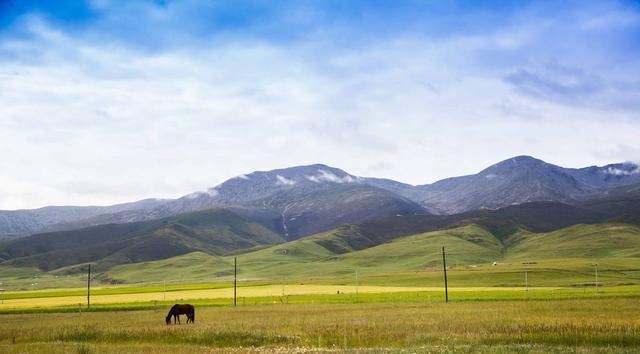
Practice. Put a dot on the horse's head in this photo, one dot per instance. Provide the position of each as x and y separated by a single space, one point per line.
171 311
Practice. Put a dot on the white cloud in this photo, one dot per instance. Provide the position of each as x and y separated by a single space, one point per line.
284 181
325 176
211 192
619 172
91 122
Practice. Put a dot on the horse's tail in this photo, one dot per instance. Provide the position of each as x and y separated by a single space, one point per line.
193 315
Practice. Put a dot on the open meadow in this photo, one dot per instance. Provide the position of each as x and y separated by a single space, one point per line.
571 291
396 324
382 314
311 304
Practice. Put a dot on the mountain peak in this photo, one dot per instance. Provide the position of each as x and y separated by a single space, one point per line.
523 159
515 163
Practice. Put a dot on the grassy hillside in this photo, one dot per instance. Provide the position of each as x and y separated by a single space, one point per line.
215 231
308 257
559 257
535 217
196 266
579 241
392 244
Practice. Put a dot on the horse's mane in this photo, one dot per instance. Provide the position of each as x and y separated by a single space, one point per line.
171 311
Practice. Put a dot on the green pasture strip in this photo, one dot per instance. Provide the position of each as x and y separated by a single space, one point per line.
482 277
436 296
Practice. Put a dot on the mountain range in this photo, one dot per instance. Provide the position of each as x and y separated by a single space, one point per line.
304 200
324 207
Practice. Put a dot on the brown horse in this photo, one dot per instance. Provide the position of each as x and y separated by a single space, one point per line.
181 309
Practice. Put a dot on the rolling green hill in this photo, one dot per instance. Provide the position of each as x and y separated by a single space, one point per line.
467 246
398 243
579 241
535 217
214 231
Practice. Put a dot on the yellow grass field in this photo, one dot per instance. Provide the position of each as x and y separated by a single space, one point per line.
549 326
245 291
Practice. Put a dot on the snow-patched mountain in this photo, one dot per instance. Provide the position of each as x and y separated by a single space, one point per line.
293 202
524 179
301 200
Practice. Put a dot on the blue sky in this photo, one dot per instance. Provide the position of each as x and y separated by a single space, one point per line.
109 101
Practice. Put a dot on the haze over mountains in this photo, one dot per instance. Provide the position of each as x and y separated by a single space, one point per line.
303 200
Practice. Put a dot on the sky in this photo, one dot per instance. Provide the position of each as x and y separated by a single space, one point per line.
110 101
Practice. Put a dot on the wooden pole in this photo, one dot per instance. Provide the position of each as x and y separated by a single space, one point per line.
89 287
444 267
235 275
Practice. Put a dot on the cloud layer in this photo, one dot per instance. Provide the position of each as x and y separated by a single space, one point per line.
159 99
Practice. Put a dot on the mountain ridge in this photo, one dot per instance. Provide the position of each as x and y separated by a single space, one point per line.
263 195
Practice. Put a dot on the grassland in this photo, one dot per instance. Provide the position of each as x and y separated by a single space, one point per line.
600 325
306 272
301 296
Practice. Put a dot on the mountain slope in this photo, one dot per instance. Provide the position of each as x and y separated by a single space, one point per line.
214 231
303 200
535 217
621 204
524 179
466 246
16 222
293 202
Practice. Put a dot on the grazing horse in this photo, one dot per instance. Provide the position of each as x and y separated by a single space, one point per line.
181 309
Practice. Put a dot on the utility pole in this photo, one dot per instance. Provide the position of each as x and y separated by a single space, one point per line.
235 275
444 267
89 287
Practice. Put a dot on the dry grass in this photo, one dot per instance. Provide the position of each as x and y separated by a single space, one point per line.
609 325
